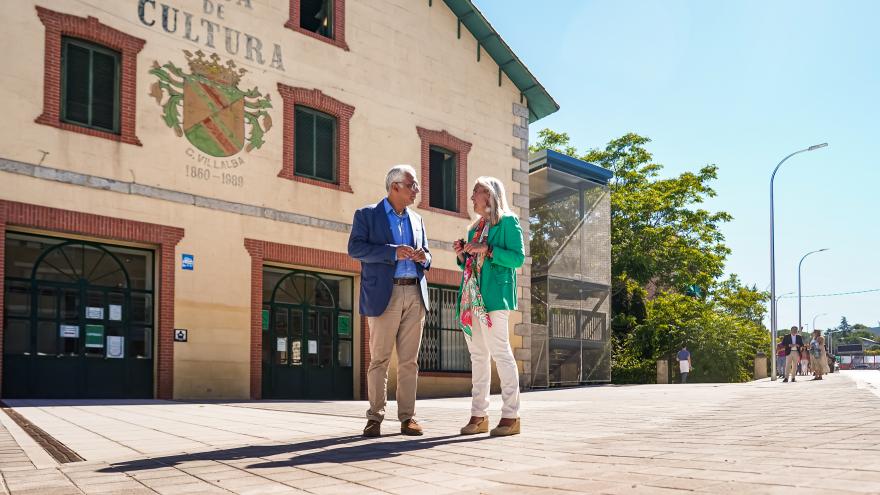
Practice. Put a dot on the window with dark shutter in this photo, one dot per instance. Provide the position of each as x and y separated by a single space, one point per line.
315 144
89 85
317 16
443 179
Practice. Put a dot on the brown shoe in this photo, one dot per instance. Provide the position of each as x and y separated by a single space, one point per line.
480 426
411 427
373 428
505 431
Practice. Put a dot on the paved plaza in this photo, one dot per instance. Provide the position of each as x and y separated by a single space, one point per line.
761 437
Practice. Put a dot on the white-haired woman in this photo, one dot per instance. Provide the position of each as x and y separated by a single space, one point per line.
490 257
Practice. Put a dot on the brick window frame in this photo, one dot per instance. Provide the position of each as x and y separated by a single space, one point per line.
262 252
338 39
59 25
107 228
316 100
461 149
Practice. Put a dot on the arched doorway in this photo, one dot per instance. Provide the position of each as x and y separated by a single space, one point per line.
78 319
307 335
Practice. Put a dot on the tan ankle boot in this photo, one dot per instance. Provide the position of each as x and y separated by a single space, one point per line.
504 431
473 429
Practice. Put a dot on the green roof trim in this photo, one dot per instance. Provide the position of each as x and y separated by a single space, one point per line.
540 103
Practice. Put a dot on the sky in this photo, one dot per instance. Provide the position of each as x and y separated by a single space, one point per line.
738 84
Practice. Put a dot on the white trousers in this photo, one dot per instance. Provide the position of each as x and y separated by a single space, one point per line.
493 343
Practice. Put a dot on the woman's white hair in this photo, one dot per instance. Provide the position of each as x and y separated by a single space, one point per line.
397 174
497 198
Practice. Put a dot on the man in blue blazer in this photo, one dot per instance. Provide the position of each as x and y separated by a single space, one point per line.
390 242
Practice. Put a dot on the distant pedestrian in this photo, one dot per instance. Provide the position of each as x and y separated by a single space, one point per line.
780 359
818 355
684 363
805 362
793 343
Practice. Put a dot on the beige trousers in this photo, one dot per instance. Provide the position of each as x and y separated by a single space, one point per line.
400 324
791 362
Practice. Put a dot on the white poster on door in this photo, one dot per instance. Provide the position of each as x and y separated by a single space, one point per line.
281 344
94 313
115 312
115 347
69 331
313 347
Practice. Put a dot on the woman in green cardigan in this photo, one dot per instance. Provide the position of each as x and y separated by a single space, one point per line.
490 257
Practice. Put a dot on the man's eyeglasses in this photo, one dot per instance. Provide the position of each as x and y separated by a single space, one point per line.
412 186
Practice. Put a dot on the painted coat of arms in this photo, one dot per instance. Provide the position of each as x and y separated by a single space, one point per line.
215 111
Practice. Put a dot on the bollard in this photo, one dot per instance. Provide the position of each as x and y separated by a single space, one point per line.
760 366
662 371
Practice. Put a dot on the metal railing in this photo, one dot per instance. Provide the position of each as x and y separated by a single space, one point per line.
443 344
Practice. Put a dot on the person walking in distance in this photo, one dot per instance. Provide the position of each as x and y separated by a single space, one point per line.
684 363
793 343
390 241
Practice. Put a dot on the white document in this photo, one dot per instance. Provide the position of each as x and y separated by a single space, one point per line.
313 347
115 312
69 331
115 347
94 313
281 344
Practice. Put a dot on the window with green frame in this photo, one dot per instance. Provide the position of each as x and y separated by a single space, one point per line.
89 85
443 180
315 144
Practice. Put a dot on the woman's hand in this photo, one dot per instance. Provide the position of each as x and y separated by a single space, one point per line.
476 248
458 246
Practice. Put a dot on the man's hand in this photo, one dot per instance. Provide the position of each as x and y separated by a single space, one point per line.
419 256
405 252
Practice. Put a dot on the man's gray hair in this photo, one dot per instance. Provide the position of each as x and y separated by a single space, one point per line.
397 174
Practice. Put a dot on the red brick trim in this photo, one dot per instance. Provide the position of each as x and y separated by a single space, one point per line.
447 141
338 24
441 276
446 374
3 215
58 25
263 251
365 357
74 222
315 99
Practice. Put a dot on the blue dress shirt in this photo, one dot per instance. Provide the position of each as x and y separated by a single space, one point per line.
401 230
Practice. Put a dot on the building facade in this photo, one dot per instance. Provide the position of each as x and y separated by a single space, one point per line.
178 180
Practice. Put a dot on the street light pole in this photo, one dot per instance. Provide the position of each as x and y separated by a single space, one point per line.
814 319
773 258
799 283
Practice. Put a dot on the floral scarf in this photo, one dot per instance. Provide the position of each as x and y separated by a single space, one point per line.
471 303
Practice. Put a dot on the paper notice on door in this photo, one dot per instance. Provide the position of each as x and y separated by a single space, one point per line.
93 313
115 312
281 344
115 347
313 347
69 331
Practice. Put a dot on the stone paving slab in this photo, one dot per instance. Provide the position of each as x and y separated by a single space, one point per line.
657 439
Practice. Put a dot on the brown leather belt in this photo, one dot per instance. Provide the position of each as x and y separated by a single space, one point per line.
406 281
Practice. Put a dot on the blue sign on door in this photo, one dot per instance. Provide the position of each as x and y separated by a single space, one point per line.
187 261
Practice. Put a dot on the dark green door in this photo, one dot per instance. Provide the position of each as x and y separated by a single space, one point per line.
307 353
76 326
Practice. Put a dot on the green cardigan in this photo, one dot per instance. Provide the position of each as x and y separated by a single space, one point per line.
498 278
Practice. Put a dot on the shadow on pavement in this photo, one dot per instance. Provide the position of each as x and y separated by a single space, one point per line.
313 452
